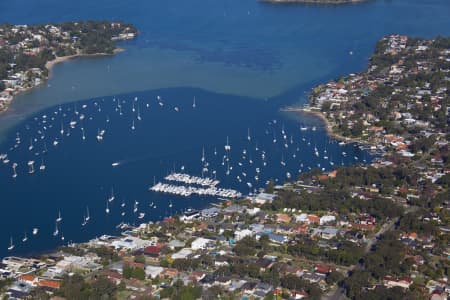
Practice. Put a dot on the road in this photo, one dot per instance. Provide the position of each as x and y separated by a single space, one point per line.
340 292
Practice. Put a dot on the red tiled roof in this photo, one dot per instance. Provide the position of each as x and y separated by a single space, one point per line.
323 269
49 283
27 277
313 219
154 250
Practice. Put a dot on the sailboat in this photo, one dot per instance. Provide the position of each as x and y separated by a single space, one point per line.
31 165
99 135
227 146
62 237
42 166
112 197
203 154
193 104
132 126
107 208
59 219
248 135
31 145
45 148
55 233
11 245
25 238
62 129
135 209
159 100
88 217
139 114
14 166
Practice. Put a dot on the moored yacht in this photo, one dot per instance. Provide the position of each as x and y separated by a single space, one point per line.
31 166
88 217
14 166
59 219
55 233
112 197
42 166
11 245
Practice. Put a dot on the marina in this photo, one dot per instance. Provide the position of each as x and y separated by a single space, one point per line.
241 159
187 191
185 178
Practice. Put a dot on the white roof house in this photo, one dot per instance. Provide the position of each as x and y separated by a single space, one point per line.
327 219
130 243
262 198
153 271
182 254
240 234
200 243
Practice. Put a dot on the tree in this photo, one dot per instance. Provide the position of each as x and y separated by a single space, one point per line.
264 241
334 277
39 293
127 272
246 247
102 288
138 273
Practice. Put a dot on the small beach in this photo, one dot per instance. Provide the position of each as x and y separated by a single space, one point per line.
60 59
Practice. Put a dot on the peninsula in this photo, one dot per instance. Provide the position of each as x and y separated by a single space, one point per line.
399 106
27 52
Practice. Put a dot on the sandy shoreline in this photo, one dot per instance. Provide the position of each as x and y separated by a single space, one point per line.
328 125
60 59
49 66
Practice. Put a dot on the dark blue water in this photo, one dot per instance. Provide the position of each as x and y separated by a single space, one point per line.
79 172
245 52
